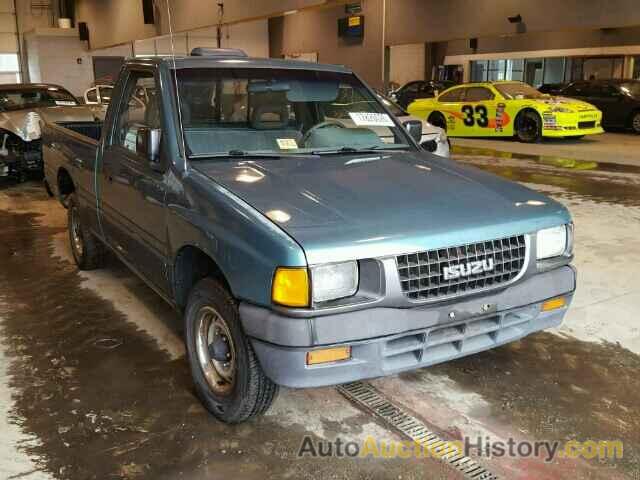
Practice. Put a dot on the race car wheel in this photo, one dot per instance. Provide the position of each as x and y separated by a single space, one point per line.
635 122
437 120
528 127
227 376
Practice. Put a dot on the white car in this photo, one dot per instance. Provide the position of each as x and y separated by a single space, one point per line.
434 139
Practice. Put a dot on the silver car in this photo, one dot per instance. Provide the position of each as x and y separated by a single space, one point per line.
22 107
434 139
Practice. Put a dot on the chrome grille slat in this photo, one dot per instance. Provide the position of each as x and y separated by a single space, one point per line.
421 273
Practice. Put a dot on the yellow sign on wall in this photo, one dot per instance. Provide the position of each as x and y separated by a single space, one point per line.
354 21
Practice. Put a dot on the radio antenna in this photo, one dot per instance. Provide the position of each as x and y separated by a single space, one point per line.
177 87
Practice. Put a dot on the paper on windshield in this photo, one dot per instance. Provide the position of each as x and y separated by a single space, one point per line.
287 143
369 119
65 103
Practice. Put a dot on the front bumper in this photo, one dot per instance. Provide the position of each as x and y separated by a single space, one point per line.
385 341
572 124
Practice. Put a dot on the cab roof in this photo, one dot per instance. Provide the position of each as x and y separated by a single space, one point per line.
229 61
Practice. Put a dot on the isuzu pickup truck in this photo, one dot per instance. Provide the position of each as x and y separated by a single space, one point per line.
302 250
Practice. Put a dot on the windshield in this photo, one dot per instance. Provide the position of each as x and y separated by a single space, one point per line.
631 88
517 91
19 99
393 107
281 111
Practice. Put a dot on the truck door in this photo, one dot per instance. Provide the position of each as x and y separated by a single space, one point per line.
133 190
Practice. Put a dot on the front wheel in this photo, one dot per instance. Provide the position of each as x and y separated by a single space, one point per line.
529 127
227 376
635 122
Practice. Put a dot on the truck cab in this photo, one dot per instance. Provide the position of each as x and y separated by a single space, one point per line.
305 240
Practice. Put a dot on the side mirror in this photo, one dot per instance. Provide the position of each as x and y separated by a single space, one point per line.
148 143
414 127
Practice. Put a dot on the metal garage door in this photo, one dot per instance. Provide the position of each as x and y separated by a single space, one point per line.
9 65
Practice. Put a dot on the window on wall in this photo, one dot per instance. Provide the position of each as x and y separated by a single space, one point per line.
636 68
554 70
479 71
491 70
9 68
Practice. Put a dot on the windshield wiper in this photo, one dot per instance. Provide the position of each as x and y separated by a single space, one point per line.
372 149
235 154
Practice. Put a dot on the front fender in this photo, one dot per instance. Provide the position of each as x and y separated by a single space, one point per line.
246 246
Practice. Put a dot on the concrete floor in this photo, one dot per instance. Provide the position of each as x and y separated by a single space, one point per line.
94 384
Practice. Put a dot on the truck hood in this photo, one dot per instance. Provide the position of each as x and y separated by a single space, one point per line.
371 205
14 120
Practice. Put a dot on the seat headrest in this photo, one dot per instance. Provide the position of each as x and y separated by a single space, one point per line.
268 117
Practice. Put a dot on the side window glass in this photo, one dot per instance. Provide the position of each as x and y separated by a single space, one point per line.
92 96
478 94
135 113
412 88
105 94
452 95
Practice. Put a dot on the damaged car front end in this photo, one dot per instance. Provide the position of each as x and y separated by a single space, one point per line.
22 108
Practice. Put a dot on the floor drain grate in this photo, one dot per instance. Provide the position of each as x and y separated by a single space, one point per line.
365 395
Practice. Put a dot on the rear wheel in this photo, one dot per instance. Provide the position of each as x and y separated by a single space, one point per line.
635 122
224 367
88 252
437 119
528 127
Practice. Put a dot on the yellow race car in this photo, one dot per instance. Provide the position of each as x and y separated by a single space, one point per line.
506 109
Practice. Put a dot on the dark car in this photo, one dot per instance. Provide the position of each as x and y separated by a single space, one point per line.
619 100
419 89
552 88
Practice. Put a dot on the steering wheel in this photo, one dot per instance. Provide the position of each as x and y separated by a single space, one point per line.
325 124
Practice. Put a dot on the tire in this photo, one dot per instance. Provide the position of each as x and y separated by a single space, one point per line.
635 122
529 127
88 252
437 120
232 391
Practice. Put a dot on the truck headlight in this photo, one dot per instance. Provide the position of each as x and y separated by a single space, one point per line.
552 242
333 281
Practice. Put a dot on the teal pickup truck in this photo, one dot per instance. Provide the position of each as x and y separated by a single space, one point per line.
303 249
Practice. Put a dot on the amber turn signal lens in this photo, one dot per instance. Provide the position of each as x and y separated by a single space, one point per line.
291 287
554 304
328 355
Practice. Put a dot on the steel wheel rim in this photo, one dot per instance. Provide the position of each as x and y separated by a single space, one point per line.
636 122
211 327
76 233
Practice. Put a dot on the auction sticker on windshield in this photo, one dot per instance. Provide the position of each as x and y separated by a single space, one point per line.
65 103
370 119
287 143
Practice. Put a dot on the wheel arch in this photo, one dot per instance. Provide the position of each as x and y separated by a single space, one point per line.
436 114
65 185
190 265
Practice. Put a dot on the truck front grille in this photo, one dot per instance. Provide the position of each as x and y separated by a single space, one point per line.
422 274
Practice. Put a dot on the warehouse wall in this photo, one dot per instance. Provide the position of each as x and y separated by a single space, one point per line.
113 22
547 41
118 21
317 31
414 21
